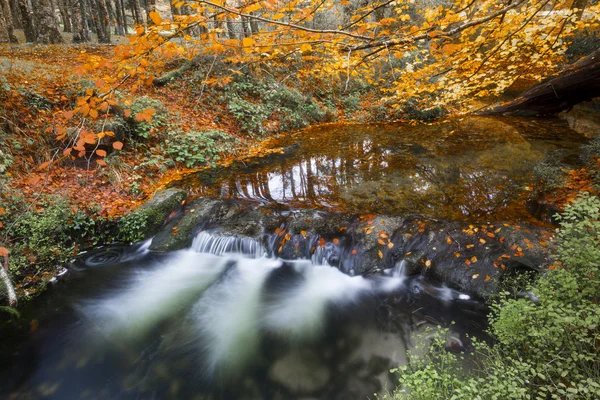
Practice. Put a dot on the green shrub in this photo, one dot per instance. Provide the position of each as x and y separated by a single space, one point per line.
132 227
550 174
251 116
49 237
143 129
579 237
591 155
195 149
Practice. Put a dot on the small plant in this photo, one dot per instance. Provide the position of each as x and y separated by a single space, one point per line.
49 237
251 116
143 129
194 149
550 173
132 227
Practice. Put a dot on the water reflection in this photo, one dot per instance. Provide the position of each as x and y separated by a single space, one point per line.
460 169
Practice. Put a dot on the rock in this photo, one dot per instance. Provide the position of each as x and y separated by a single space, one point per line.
160 208
170 239
300 372
472 259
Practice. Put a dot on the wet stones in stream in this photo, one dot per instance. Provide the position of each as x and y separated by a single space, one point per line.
470 258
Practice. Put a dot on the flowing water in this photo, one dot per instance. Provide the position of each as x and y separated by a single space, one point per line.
225 319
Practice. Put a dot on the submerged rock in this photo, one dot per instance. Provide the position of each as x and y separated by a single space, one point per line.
300 372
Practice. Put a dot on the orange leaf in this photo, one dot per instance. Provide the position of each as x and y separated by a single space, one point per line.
127 113
390 245
101 162
43 165
322 242
101 153
303 233
3 251
381 242
155 17
448 240
336 241
354 252
117 145
487 278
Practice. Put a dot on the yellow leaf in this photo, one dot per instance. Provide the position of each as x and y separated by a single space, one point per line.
155 17
428 263
390 245
305 47
247 42
277 16
303 233
380 254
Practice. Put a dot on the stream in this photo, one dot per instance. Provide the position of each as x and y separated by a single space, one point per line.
267 295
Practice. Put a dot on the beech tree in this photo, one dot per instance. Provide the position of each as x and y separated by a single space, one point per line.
436 53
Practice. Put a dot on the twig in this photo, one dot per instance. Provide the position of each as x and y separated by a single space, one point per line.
12 296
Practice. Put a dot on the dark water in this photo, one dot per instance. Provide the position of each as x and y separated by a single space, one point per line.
463 169
221 321
193 325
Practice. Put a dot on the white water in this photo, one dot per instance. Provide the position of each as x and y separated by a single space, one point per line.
153 295
223 304
205 242
300 314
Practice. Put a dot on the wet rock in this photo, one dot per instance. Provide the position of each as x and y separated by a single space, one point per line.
161 207
300 372
469 258
179 233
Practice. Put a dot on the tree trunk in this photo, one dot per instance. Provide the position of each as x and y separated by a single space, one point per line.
85 23
64 13
8 27
150 7
27 20
121 28
79 34
103 22
136 10
580 5
16 15
230 29
47 28
578 83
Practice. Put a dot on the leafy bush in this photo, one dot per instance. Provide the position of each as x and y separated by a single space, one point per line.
591 155
251 116
141 129
544 350
293 109
194 148
550 173
49 237
579 237
131 227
